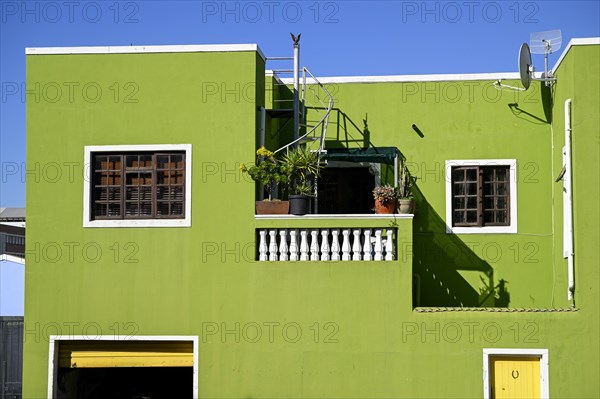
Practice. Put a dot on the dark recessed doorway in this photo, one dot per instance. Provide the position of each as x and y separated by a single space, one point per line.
346 190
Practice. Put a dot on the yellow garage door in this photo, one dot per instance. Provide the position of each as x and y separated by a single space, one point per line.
92 354
515 377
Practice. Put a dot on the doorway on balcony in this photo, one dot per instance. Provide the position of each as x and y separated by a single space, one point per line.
346 188
346 184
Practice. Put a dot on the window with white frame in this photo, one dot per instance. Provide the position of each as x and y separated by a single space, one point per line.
138 185
481 196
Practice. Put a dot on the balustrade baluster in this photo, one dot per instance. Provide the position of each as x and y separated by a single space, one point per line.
272 244
335 244
283 245
378 245
356 247
346 244
303 245
367 245
389 245
262 245
314 245
293 245
325 244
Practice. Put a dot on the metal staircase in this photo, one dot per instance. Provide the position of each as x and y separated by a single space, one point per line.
308 95
321 105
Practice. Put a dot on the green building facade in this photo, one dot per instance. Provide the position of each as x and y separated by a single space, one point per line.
181 304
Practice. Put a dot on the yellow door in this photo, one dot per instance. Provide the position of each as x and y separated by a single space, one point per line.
515 377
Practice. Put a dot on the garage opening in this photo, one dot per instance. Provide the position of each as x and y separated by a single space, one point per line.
124 369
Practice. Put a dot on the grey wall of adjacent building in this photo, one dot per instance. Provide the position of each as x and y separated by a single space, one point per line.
11 357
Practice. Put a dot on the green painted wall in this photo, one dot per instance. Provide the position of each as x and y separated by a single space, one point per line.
463 120
578 79
360 336
207 99
470 120
577 75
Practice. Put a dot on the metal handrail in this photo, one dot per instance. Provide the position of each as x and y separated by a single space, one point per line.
323 122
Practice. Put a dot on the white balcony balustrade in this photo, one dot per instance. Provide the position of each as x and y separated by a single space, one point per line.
358 244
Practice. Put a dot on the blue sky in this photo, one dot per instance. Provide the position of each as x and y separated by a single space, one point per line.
338 38
12 289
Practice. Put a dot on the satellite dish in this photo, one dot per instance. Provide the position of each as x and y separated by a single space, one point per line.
524 65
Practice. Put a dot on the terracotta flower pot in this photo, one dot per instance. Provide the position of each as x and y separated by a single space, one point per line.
387 207
272 207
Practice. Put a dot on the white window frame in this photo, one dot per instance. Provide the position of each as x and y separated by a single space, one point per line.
524 352
512 228
87 217
55 339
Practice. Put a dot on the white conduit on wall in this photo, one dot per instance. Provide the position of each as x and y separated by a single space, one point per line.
568 252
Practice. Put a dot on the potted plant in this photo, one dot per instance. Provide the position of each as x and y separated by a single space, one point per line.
300 165
406 202
399 199
385 199
269 172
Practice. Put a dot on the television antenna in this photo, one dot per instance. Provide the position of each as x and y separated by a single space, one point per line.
541 43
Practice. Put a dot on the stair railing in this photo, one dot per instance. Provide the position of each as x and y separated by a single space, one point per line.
323 122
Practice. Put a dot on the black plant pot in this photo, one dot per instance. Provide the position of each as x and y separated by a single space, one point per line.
299 204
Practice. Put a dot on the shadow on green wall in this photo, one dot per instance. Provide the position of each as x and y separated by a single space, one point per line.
279 126
347 133
438 260
524 111
342 131
547 101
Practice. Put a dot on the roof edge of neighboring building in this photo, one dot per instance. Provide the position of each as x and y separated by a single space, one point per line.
12 214
12 259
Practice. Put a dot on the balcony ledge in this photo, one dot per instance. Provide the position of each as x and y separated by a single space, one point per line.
328 221
337 216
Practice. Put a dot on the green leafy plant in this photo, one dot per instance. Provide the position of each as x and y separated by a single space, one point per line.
405 184
267 170
303 189
300 165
